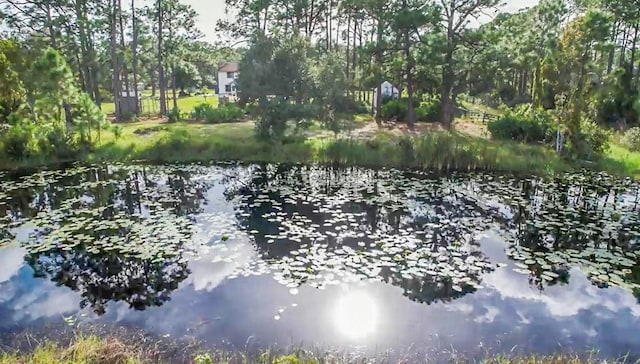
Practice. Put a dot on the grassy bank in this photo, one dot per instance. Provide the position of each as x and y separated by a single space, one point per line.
113 350
440 150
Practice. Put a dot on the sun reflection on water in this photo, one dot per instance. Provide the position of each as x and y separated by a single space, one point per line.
356 315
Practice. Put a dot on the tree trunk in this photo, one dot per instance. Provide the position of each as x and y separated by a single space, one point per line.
122 46
446 104
85 61
411 117
348 44
612 52
355 49
173 87
161 83
379 79
114 60
633 54
52 33
134 53
624 47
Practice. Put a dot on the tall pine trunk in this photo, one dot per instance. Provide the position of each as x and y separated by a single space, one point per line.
161 81
379 80
134 55
411 117
122 46
114 59
173 86
446 103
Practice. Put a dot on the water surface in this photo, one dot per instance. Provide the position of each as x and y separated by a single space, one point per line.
354 259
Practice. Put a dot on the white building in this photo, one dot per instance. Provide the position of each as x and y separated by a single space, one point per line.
227 77
388 90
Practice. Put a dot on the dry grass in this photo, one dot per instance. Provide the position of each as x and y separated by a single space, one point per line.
116 349
555 359
83 350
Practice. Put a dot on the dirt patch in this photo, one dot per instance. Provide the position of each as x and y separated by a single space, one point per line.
472 129
400 129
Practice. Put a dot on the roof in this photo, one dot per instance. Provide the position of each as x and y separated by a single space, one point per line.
229 67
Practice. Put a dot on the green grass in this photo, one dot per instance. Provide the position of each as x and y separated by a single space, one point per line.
116 350
435 150
184 103
622 161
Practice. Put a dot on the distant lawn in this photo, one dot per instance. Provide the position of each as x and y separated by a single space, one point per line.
184 103
621 160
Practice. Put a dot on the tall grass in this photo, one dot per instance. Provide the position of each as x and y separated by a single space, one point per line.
118 350
436 150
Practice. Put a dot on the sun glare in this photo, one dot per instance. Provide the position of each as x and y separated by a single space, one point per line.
356 315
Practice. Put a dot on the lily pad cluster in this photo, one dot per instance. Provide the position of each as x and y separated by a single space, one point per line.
109 230
586 221
320 226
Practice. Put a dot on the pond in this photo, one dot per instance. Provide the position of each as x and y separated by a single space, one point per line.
358 260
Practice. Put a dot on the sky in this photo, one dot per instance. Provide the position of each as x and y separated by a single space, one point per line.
212 10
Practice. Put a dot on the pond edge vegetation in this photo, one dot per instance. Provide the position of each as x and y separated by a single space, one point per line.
90 349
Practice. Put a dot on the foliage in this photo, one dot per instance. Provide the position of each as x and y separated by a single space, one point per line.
221 114
61 120
631 139
277 65
428 111
277 116
175 115
523 125
591 143
396 109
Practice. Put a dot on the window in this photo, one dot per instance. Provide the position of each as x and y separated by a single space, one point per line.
229 74
227 88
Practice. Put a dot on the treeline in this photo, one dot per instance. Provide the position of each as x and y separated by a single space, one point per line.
577 59
113 45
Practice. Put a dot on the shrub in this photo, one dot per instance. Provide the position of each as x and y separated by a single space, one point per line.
222 114
428 111
348 105
631 139
117 131
201 110
523 126
275 115
174 115
17 141
395 109
593 141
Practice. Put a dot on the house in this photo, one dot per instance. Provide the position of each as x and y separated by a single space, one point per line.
227 77
388 91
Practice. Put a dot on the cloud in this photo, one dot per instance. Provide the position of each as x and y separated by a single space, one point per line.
567 300
11 260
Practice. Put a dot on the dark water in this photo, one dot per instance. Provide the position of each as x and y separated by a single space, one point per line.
353 259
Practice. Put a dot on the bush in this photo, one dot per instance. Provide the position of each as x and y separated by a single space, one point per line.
348 105
592 142
275 115
174 115
222 114
395 109
17 141
631 139
428 111
524 126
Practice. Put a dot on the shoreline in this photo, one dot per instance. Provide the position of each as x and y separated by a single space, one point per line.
120 345
442 151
